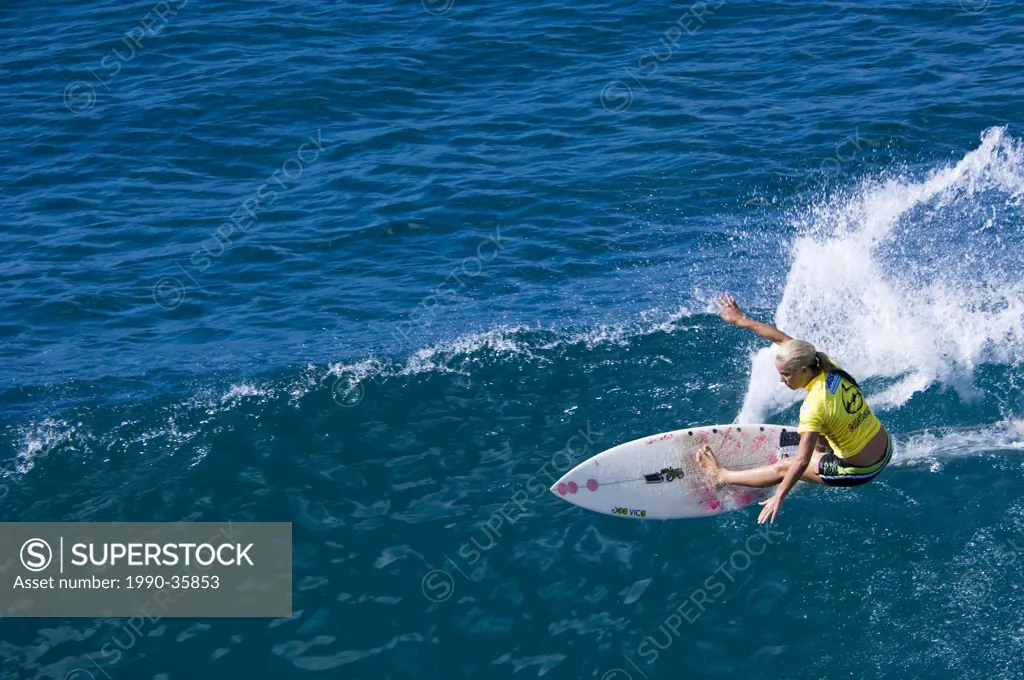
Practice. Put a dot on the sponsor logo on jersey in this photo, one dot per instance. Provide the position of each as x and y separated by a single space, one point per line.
853 401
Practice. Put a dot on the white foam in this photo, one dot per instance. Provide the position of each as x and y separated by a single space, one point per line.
913 281
456 355
649 321
39 439
244 390
936 446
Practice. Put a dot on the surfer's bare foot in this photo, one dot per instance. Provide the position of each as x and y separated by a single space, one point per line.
709 466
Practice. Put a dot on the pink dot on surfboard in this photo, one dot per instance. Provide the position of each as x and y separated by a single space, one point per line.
573 488
592 484
561 488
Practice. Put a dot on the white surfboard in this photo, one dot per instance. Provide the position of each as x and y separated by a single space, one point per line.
657 477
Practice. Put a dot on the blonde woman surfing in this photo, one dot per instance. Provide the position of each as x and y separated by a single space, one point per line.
842 443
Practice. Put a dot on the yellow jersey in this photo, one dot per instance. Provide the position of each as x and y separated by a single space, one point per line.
835 408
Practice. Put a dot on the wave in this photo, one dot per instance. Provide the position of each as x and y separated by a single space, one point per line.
341 395
911 280
96 426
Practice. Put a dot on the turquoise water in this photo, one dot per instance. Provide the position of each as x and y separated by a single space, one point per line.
384 270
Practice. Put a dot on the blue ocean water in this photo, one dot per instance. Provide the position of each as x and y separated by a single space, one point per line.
383 269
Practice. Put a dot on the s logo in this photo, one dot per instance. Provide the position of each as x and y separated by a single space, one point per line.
853 401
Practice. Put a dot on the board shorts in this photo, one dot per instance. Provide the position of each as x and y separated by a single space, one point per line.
834 472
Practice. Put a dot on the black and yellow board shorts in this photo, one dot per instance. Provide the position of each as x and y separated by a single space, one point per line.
834 472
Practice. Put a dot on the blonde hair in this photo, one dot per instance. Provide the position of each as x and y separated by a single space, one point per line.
797 354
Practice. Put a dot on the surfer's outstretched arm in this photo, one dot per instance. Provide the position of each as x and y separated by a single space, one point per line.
731 313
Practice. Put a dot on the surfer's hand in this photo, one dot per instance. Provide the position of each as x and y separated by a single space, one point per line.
728 309
771 508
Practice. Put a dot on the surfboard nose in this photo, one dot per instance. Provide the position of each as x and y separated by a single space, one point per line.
565 487
561 486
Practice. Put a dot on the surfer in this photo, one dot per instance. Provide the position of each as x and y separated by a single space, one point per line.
842 442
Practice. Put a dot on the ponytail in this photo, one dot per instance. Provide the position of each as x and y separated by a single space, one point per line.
822 361
828 366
